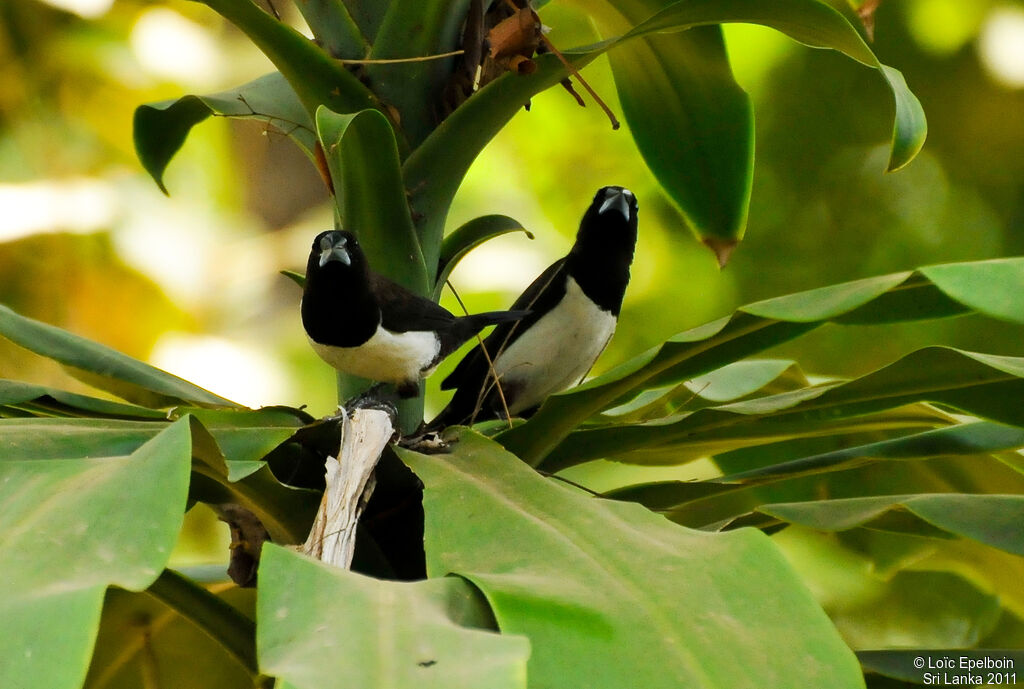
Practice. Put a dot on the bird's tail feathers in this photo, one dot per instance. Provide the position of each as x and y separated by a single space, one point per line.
479 321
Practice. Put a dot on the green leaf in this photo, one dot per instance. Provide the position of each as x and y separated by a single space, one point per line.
286 512
955 459
732 382
991 287
316 78
368 15
245 436
909 127
38 439
994 520
612 595
46 401
296 277
323 626
333 26
72 528
966 439
416 28
694 127
159 129
363 159
814 24
126 377
755 328
972 383
902 609
141 637
458 244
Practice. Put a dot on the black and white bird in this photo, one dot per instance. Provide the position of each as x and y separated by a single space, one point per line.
363 324
574 306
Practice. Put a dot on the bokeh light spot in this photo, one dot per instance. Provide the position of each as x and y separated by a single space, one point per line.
1001 45
172 47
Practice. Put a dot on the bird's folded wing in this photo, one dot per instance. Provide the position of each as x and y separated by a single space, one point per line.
402 311
539 298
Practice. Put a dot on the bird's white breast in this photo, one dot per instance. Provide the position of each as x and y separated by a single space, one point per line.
388 357
556 351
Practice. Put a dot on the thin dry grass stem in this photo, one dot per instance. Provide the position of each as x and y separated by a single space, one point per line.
399 60
487 356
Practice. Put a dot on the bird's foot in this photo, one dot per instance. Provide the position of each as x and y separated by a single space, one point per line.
427 442
377 396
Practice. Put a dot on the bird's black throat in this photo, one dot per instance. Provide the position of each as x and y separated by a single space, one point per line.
599 261
338 307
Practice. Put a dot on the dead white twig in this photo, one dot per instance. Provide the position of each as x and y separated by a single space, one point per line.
350 484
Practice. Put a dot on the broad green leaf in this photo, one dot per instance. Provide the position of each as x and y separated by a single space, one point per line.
416 28
612 595
141 637
368 15
726 502
814 24
905 609
993 287
159 129
286 512
750 330
989 569
332 24
245 436
42 439
126 377
692 123
324 627
51 401
921 610
976 384
965 439
825 303
731 382
370 194
72 528
459 243
994 520
316 78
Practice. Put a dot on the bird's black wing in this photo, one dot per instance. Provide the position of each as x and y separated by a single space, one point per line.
539 298
403 311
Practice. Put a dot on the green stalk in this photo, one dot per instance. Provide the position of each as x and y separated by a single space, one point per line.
235 632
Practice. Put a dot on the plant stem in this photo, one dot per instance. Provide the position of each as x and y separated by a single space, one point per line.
235 632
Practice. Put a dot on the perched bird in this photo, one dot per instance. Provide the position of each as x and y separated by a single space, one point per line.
574 306
366 325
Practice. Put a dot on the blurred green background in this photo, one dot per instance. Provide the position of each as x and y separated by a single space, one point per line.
191 282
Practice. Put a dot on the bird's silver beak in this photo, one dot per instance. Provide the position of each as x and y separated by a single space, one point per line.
616 199
334 252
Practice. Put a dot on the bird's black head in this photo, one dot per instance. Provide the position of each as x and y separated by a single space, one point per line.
600 259
338 305
614 208
609 225
335 251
